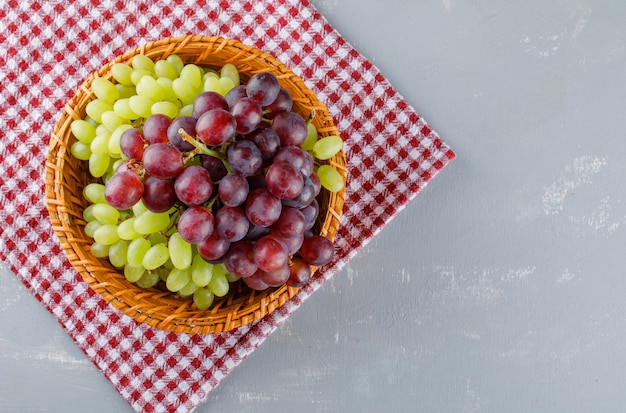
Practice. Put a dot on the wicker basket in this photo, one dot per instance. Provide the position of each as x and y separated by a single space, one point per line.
66 177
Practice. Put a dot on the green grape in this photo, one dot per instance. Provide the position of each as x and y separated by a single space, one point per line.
122 109
185 91
83 130
139 208
106 234
142 62
91 227
112 121
137 250
105 90
311 137
137 74
126 91
98 164
230 71
201 271
157 238
210 73
126 229
231 278
166 84
219 285
156 256
178 278
96 108
114 140
100 144
212 84
176 62
99 250
164 69
188 289
150 222
227 84
163 272
149 279
101 129
150 88
94 193
141 105
192 74
330 178
118 253
203 298
327 147
186 110
180 251
80 150
121 73
106 214
88 215
133 274
166 108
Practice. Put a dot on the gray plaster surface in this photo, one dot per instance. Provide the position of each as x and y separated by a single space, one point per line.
500 288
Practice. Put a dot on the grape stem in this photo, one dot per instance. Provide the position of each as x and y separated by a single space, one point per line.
200 148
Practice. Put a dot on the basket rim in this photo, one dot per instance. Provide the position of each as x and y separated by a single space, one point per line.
152 307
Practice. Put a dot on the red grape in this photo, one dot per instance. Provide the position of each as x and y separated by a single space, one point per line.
233 189
296 156
213 247
284 181
132 143
270 253
195 224
235 94
262 208
317 250
282 103
158 194
299 272
291 128
290 223
215 127
244 158
194 186
231 223
247 113
275 278
124 189
163 161
238 259
263 87
206 101
188 123
266 140
155 128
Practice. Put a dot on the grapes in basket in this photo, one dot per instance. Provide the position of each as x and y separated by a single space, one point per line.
201 179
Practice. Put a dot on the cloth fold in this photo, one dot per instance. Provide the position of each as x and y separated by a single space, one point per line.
47 49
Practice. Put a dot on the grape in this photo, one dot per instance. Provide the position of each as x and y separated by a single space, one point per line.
100 144
104 90
213 84
255 282
310 213
266 140
206 101
311 137
178 278
158 194
330 178
195 224
141 105
226 85
213 247
201 271
185 91
126 230
132 144
142 62
164 69
215 127
133 274
91 227
163 161
122 109
88 215
297 157
176 62
149 279
181 253
256 181
299 272
244 157
155 128
276 277
203 298
121 73
83 130
317 250
156 256
230 71
263 87
149 88
239 260
293 244
94 193
284 181
106 234
282 103
235 94
80 151
126 91
262 208
215 166
194 186
255 232
165 108
99 250
168 89
124 189
192 74
219 285
118 253
247 113
188 123
105 214
306 195
327 147
150 222
290 223
233 189
291 128
96 108
270 254
231 223
317 185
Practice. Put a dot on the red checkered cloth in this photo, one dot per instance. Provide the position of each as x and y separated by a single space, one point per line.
47 49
